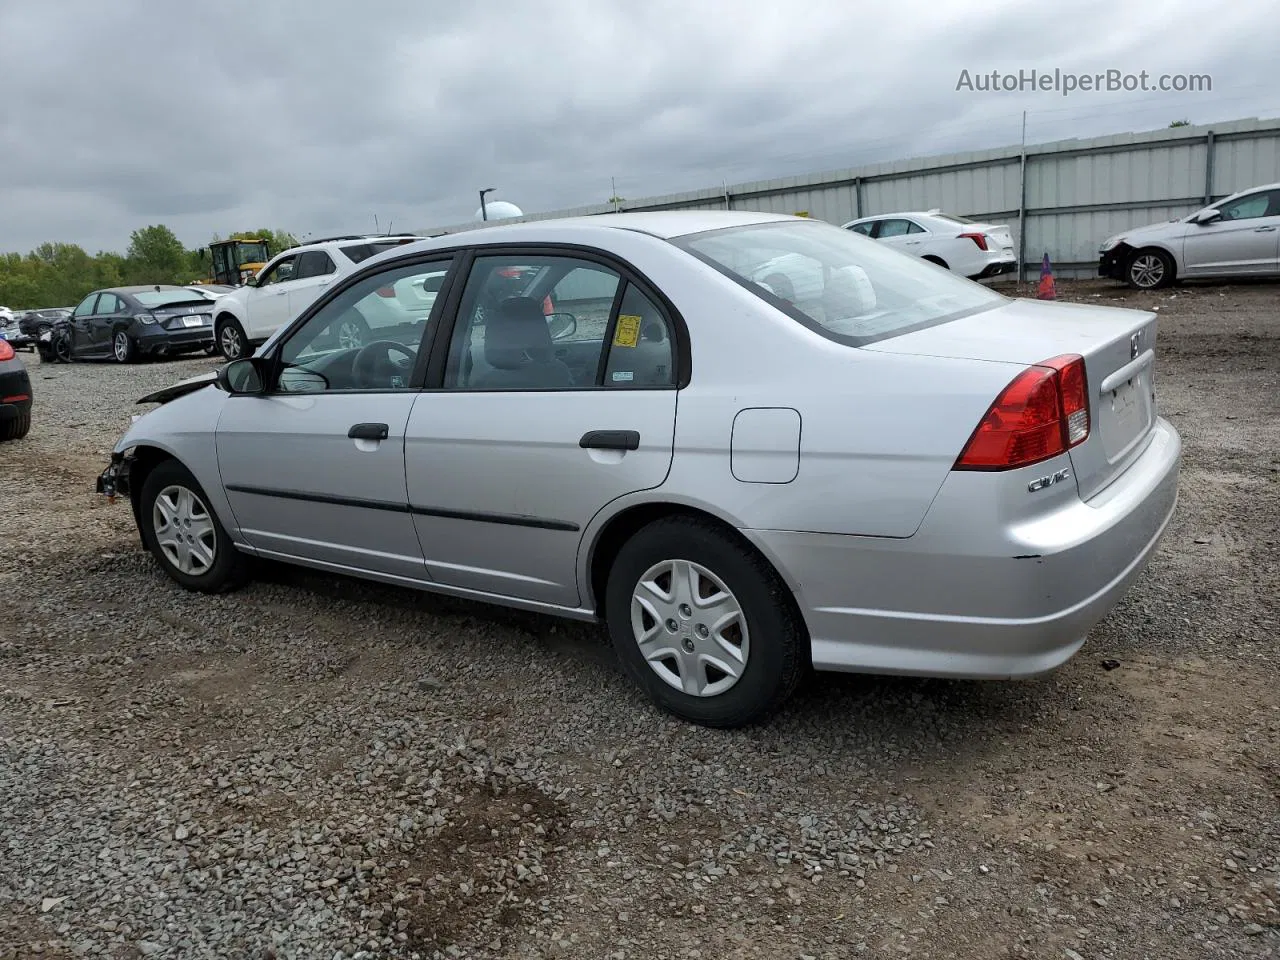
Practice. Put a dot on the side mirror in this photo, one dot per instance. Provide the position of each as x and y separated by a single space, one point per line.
246 377
1205 217
562 325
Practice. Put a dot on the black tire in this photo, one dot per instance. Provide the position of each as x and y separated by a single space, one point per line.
938 260
61 347
230 338
211 350
1149 269
777 640
123 349
15 429
230 568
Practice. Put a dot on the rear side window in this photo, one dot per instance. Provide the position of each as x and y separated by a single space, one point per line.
107 303
863 228
640 349
845 287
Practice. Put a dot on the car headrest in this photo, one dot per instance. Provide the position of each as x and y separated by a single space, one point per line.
516 334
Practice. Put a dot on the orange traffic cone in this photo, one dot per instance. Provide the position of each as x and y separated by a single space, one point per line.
1047 289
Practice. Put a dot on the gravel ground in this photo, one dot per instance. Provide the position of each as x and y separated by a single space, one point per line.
316 767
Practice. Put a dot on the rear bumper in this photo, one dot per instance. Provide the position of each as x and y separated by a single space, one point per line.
164 341
997 268
967 597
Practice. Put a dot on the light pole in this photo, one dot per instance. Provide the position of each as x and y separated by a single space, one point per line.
484 211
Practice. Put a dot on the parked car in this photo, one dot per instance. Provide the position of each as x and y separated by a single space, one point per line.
910 473
15 395
125 323
35 322
1235 237
288 283
968 247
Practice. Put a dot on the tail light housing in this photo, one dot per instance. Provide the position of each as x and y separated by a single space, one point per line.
6 351
979 238
1044 412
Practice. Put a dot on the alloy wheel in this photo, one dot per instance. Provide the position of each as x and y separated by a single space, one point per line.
121 346
350 336
1146 271
184 530
690 628
229 342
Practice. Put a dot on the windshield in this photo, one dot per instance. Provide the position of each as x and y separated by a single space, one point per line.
167 298
844 286
251 253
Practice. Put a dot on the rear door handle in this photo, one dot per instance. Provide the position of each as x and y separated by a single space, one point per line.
1264 229
369 431
610 440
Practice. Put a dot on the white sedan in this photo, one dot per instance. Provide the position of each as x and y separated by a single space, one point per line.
968 247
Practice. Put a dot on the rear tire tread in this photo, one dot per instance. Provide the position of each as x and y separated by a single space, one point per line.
15 429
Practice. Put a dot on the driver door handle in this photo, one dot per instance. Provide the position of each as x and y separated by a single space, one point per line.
369 431
1264 229
610 440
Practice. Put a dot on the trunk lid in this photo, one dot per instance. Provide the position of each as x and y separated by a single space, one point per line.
1118 346
1000 237
184 315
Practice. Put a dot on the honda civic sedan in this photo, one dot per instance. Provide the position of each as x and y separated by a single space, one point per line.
899 472
125 323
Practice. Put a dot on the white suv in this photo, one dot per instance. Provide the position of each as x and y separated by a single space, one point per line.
289 283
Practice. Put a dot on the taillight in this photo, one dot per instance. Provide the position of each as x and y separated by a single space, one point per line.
387 293
979 238
6 351
1042 413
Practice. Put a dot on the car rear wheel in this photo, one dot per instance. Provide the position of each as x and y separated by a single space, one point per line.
938 260
703 624
352 332
122 347
16 428
1150 269
229 336
184 535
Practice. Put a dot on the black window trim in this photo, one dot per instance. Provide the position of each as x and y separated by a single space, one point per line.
275 356
428 374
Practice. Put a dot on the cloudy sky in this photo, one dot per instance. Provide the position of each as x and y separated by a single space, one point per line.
315 116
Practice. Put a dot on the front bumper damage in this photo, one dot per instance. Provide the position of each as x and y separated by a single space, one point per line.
114 481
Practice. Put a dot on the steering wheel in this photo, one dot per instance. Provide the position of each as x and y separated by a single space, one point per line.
373 366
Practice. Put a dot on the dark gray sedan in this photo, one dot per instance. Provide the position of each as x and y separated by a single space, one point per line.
125 323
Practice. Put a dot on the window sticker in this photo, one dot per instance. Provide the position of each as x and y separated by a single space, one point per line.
627 333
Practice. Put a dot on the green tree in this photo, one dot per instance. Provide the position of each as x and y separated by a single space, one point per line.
156 255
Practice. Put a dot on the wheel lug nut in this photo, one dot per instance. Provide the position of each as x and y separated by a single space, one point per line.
703 631
686 611
672 625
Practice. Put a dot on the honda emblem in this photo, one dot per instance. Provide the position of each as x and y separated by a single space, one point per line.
1134 342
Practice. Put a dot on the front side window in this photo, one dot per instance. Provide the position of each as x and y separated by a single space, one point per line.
1247 208
85 306
849 289
365 338
278 272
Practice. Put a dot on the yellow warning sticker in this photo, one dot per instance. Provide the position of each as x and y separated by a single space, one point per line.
627 333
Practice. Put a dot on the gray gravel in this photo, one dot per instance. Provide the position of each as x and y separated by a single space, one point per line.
316 767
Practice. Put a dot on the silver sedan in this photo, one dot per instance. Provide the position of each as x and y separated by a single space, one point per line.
615 419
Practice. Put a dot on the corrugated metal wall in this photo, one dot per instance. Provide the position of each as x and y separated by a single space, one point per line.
1077 192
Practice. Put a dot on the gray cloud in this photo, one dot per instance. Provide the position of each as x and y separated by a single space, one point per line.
317 115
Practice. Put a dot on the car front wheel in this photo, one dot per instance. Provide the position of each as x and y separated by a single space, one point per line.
703 624
184 535
1150 269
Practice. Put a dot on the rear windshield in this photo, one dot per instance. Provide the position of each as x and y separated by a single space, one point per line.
167 298
848 288
363 251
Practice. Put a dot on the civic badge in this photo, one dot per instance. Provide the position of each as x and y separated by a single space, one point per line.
1134 342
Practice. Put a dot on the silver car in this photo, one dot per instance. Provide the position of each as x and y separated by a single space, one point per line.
609 419
1235 237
